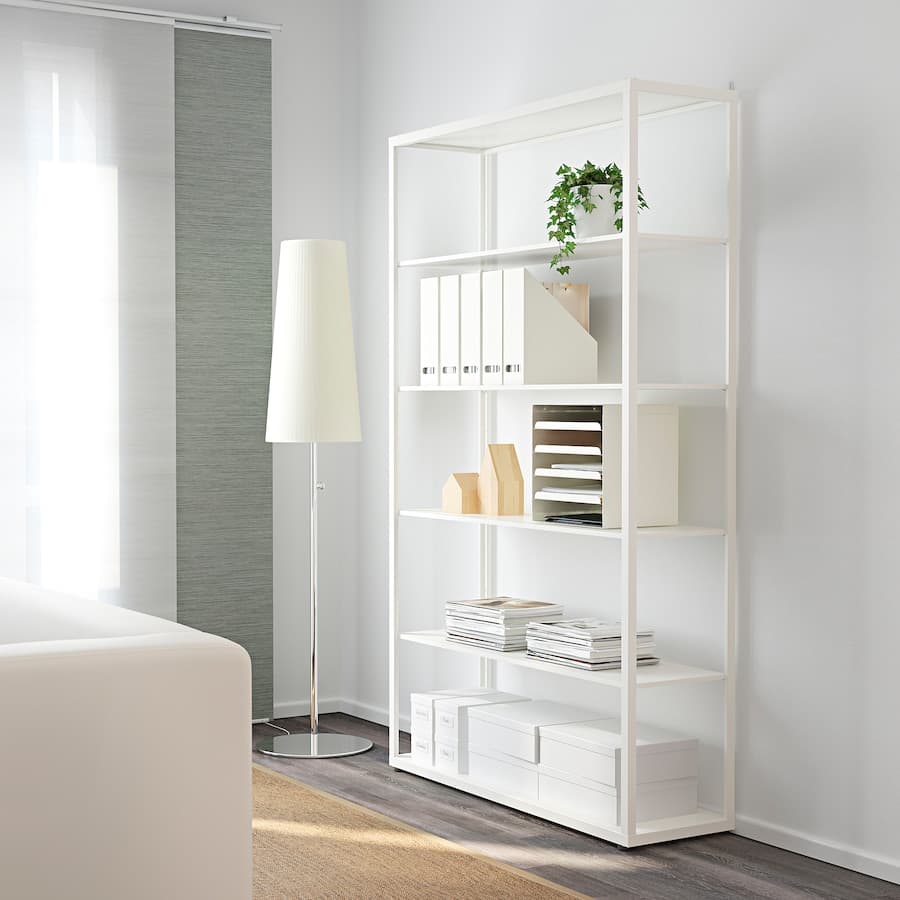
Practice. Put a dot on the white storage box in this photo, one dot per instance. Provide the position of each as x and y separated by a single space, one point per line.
451 731
592 750
594 802
421 719
504 773
422 748
448 758
512 728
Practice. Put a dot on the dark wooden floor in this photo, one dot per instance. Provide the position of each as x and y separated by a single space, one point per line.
719 866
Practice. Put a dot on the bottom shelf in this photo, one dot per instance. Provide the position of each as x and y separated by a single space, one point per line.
703 821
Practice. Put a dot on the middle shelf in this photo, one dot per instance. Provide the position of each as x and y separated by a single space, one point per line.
647 676
611 388
541 253
661 531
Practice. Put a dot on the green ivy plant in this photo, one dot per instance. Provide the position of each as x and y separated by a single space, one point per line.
573 189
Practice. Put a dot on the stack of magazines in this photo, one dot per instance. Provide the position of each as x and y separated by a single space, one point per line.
586 644
497 623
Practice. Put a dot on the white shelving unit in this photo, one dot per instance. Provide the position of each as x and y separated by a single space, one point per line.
624 104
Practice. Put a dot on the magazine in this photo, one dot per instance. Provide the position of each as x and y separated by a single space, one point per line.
502 608
592 666
585 630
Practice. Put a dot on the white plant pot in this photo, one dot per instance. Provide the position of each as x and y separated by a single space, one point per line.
599 221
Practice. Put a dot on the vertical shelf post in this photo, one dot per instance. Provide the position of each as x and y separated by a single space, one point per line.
628 710
487 409
731 366
393 504
487 536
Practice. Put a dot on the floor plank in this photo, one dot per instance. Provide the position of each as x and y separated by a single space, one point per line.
706 868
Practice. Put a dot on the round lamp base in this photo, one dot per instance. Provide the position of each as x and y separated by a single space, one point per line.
313 746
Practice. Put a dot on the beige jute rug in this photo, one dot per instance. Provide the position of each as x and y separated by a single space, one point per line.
307 844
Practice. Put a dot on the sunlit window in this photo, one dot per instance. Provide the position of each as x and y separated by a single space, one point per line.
87 308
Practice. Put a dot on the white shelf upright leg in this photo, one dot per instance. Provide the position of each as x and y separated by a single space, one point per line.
488 536
731 365
487 412
629 460
393 505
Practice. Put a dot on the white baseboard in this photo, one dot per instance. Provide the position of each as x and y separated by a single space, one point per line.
818 848
287 708
375 714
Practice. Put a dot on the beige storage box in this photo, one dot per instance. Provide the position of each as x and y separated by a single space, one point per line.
451 728
592 750
512 728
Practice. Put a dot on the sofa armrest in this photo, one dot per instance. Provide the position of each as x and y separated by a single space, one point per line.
125 768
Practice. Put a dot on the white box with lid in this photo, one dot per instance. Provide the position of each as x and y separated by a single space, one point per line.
421 719
451 731
592 750
421 748
591 801
512 728
503 773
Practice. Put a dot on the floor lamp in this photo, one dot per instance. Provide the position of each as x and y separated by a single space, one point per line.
313 399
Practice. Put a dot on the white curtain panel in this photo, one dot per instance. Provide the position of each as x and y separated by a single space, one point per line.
87 306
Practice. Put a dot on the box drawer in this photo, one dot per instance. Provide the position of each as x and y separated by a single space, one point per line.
600 803
509 776
448 758
422 749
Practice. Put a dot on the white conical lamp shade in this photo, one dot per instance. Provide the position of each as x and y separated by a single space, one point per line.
312 388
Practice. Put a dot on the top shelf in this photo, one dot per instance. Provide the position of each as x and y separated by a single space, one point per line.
538 254
580 111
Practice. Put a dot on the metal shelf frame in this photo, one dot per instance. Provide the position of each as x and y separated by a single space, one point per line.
584 111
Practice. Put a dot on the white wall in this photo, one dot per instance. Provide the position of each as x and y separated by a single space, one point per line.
818 729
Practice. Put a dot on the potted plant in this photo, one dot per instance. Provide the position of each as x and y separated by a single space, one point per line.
585 202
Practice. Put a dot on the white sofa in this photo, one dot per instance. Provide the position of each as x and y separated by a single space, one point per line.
124 755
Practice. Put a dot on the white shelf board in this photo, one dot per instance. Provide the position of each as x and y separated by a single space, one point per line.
675 386
647 676
540 254
481 388
580 474
551 425
662 531
579 111
581 499
567 450
703 821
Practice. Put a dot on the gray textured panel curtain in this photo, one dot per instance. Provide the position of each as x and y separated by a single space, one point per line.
223 228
